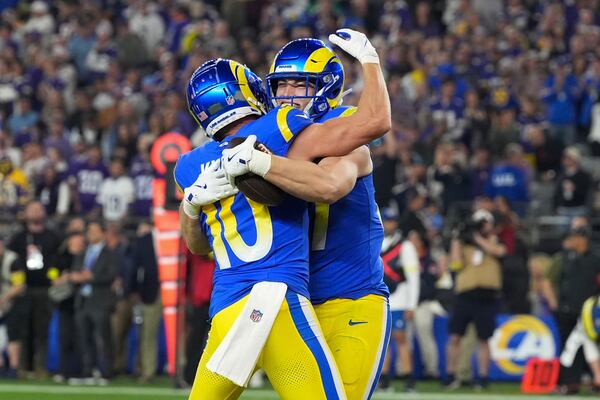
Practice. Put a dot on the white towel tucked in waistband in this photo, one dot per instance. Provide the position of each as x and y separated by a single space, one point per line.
236 356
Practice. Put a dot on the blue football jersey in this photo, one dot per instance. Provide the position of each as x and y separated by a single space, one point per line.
346 240
253 242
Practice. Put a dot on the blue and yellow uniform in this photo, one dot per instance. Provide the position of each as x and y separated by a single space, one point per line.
346 281
254 243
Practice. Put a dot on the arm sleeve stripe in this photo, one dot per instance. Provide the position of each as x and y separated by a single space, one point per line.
282 123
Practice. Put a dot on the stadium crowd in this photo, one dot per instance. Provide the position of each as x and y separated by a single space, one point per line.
494 108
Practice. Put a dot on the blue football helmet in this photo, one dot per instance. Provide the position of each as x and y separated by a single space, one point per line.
590 317
312 60
223 91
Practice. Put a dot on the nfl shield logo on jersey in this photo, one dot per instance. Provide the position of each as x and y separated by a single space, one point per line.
203 116
230 100
256 316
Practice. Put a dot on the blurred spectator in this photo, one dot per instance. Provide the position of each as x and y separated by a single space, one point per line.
560 95
37 246
130 48
40 20
480 171
530 115
12 286
146 287
86 177
546 151
198 291
122 313
510 179
411 219
70 250
447 179
143 175
384 168
401 269
104 52
434 279
573 185
569 281
515 273
95 273
23 118
538 264
81 43
178 21
475 255
116 193
476 121
14 187
53 193
504 130
447 111
145 22
34 161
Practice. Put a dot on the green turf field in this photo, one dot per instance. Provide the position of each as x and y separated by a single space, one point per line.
126 389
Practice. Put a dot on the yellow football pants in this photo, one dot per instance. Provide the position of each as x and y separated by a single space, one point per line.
295 357
357 332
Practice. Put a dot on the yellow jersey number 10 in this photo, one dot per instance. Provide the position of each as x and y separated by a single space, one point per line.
227 232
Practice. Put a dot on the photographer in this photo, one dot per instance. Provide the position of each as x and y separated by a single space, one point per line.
475 254
569 281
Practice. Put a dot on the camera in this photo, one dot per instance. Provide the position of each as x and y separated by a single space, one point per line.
465 230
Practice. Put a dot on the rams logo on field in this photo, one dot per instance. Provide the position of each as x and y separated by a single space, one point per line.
517 340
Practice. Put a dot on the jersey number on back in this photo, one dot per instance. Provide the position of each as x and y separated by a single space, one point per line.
321 223
243 251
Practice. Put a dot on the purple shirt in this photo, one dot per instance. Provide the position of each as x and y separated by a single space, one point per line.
142 174
89 178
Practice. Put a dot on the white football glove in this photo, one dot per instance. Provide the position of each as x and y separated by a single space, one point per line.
356 44
210 186
244 158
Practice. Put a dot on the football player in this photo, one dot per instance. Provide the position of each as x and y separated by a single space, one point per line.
346 273
255 244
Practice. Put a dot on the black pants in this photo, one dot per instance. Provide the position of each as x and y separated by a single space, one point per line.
95 339
36 313
197 329
70 356
565 323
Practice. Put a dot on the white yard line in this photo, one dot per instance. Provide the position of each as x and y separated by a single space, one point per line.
251 393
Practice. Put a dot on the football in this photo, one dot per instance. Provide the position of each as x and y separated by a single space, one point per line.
255 187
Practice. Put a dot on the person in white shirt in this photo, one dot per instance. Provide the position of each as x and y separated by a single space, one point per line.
116 193
404 267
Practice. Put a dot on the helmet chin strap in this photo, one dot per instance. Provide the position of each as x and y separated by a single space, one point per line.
346 92
318 94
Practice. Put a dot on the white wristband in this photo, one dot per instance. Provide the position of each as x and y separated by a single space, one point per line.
190 210
260 163
369 59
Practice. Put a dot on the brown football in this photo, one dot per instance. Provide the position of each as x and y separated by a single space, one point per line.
255 187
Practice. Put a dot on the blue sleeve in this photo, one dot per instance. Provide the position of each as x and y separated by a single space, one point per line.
183 173
548 92
489 188
297 121
523 186
290 122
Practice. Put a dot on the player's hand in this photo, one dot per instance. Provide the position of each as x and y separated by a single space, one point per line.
244 158
356 44
210 186
409 315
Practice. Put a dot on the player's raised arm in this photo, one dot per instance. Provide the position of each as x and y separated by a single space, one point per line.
340 136
326 182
